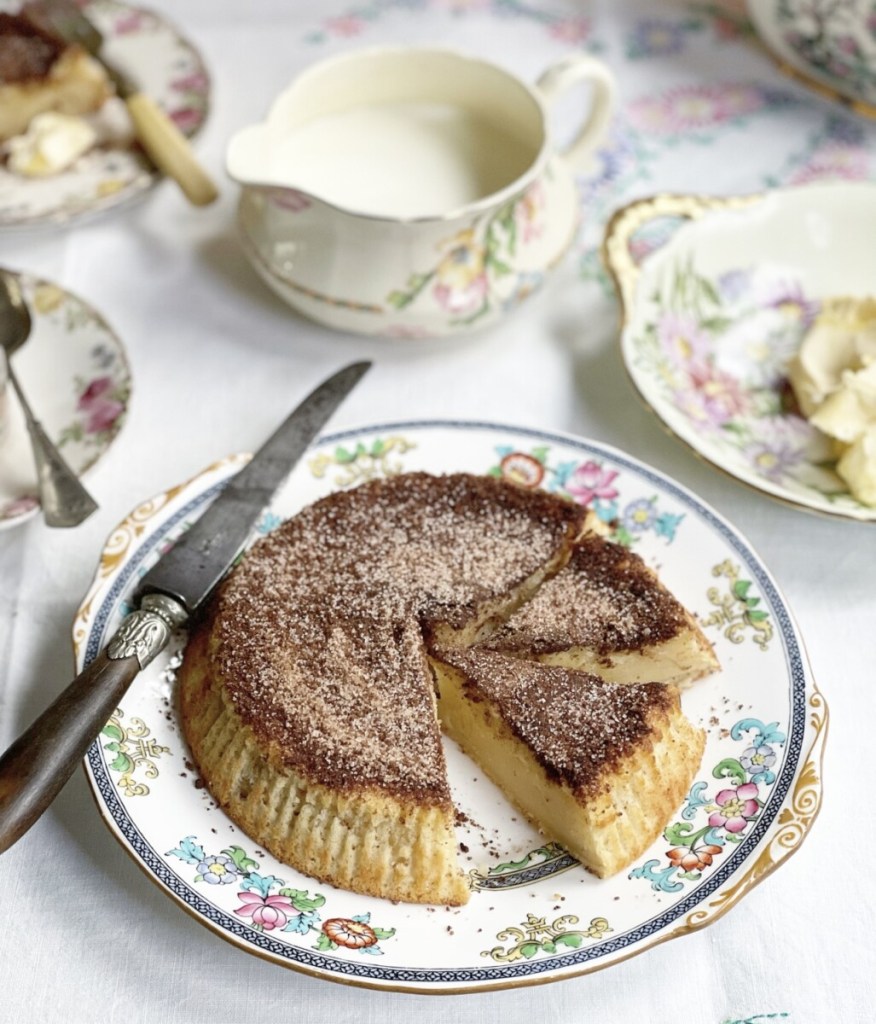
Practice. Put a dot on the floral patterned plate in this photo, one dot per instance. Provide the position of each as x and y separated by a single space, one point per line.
829 45
168 69
712 315
534 914
74 371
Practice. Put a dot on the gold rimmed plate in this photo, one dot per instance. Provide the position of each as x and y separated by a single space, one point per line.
534 915
829 47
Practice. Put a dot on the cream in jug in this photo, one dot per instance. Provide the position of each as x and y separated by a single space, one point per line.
412 191
405 159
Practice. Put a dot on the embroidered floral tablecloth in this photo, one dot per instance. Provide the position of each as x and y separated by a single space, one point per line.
216 361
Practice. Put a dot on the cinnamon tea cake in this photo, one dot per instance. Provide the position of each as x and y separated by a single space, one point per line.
308 699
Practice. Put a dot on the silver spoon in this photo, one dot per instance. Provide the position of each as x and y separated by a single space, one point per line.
65 501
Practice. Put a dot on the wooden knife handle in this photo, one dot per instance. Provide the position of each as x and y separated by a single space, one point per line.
36 766
169 149
34 769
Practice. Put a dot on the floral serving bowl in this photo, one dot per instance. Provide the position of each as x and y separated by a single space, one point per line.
712 316
828 44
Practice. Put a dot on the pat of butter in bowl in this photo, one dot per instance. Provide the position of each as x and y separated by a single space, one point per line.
834 379
52 143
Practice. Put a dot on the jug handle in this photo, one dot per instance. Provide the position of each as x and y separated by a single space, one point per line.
560 77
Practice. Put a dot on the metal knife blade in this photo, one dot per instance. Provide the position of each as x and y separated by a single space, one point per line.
34 769
196 563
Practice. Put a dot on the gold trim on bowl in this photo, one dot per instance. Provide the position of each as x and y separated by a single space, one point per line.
624 273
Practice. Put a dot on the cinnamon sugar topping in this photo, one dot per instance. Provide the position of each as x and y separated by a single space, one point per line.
551 709
605 599
318 632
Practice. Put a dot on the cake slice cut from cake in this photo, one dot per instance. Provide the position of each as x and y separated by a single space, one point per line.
606 612
598 767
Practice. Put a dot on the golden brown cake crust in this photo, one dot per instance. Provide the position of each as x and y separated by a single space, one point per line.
368 841
317 633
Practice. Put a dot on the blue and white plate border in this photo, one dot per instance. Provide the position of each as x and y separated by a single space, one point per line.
747 865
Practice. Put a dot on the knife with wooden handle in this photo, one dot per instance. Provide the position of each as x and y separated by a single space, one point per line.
34 769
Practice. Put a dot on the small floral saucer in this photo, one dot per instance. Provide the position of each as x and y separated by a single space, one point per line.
168 69
535 914
75 374
714 309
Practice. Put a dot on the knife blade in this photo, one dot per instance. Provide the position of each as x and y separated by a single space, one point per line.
34 769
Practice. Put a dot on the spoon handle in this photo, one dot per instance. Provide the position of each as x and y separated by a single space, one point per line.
65 501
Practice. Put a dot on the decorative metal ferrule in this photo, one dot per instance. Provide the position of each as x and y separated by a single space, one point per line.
146 632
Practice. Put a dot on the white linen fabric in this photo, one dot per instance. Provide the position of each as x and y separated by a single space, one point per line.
217 361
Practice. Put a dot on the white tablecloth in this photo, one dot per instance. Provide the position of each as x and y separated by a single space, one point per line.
217 361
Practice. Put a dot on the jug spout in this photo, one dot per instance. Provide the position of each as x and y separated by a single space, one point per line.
251 161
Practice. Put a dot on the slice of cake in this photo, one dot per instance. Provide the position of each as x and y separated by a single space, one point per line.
606 612
39 73
599 767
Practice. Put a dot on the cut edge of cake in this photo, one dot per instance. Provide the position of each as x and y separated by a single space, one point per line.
606 826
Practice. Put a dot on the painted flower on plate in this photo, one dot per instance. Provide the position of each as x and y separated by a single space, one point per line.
693 860
345 931
461 278
682 338
100 405
522 469
783 444
194 81
734 284
736 807
710 398
757 759
217 870
639 515
773 458
186 118
268 912
591 480
756 348
789 300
